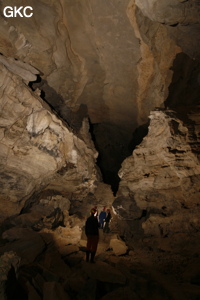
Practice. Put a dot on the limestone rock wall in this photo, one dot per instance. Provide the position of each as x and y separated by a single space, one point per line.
181 18
112 58
36 147
94 53
159 188
111 61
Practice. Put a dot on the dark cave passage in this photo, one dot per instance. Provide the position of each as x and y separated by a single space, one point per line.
113 143
114 146
184 88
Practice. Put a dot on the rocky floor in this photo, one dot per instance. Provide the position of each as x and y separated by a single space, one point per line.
32 268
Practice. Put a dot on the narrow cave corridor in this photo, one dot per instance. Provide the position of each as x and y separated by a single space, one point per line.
114 147
113 143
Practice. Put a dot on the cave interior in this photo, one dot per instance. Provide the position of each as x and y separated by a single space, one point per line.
99 106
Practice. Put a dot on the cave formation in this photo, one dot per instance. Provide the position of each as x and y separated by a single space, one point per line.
100 107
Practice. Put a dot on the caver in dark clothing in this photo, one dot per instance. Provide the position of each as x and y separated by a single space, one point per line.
107 221
92 233
102 217
91 226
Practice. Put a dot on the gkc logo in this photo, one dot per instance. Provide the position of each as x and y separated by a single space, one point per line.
13 12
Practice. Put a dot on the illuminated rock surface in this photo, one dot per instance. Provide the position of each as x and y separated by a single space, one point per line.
79 82
160 181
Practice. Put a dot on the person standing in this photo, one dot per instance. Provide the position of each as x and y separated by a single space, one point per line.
102 217
107 221
92 233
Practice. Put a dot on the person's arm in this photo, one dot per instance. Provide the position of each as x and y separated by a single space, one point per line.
86 227
97 227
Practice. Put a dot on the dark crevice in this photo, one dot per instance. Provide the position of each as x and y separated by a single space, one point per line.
138 135
174 25
72 119
184 89
113 143
13 288
114 147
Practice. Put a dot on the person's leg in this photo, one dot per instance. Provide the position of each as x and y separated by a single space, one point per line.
105 227
92 256
95 240
88 247
100 223
87 255
108 228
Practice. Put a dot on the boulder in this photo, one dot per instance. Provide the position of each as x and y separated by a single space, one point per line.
25 242
104 272
66 235
54 264
118 246
54 290
66 250
32 293
122 294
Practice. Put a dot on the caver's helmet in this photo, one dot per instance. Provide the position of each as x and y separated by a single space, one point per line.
93 211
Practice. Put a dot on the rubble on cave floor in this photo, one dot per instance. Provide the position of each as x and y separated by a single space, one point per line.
144 271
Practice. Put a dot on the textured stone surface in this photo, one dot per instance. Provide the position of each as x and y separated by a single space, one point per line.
160 181
118 246
182 16
94 54
35 144
170 12
8 261
140 273
104 272
122 294
25 242
113 61
54 290
110 61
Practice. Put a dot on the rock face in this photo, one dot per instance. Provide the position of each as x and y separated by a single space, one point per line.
7 261
25 242
101 66
75 61
118 246
159 188
109 61
36 146
182 16
113 62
